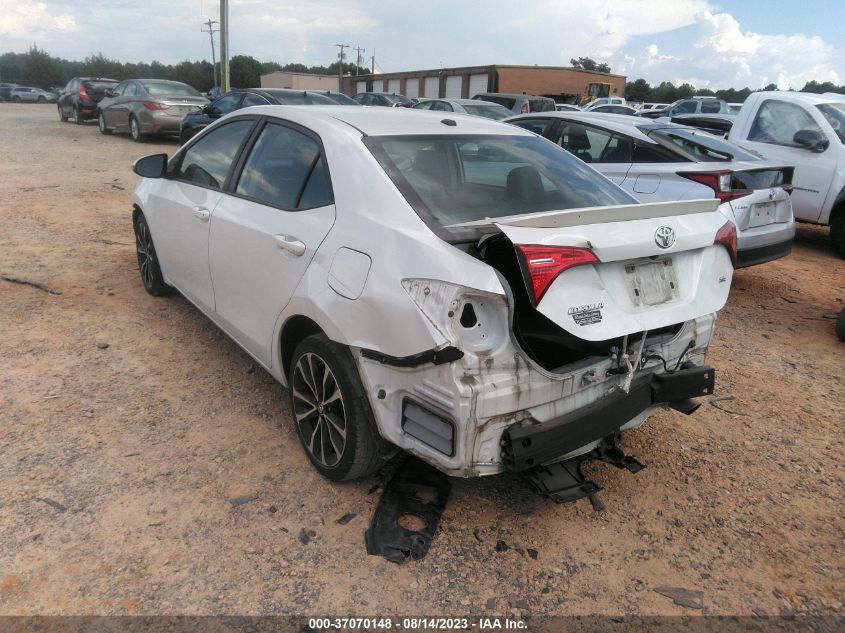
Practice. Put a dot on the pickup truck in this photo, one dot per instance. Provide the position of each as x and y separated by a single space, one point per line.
807 131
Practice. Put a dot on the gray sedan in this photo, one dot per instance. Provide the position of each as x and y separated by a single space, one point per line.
144 107
486 109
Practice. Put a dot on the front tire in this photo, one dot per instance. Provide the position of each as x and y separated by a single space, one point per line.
101 123
135 130
837 231
332 415
148 264
42 100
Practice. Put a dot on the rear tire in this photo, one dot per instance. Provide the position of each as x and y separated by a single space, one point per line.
148 264
62 116
331 412
840 325
77 116
101 123
135 130
837 231
42 100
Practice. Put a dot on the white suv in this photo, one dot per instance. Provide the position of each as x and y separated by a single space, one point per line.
455 287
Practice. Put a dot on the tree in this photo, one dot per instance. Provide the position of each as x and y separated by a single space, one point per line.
245 71
638 90
666 92
586 63
39 69
685 91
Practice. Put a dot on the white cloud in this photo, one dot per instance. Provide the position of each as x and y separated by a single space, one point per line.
30 20
724 55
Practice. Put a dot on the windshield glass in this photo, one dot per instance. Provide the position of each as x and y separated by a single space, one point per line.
169 89
99 86
704 147
495 112
835 115
299 97
453 179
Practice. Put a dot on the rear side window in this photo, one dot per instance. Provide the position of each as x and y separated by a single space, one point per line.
505 101
778 121
254 100
284 170
593 145
227 104
538 126
207 162
541 105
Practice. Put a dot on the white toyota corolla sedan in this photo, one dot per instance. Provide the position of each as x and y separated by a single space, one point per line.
453 287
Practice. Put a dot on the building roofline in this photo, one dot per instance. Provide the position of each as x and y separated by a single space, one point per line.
488 67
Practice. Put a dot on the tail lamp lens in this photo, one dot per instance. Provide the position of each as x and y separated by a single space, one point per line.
726 236
543 264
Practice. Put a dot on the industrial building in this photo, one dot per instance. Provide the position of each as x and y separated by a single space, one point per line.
298 81
564 85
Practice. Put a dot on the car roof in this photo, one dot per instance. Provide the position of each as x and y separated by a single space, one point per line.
463 102
804 97
512 94
374 121
622 123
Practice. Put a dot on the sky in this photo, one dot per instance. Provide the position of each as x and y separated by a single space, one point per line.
732 43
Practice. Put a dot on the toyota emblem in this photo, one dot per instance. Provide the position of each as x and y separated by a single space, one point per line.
772 194
664 236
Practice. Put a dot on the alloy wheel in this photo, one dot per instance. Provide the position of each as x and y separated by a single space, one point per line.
318 409
146 254
134 130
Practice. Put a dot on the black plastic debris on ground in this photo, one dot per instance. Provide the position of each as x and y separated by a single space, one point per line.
418 490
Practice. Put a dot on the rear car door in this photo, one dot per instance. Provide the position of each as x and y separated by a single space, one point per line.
109 105
606 151
185 203
265 232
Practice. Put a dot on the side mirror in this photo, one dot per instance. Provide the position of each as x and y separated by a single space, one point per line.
154 166
208 109
109 92
812 140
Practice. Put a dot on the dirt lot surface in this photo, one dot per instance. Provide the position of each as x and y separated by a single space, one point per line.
146 466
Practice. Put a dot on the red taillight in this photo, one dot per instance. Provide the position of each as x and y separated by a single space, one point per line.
726 236
719 182
544 263
83 94
153 105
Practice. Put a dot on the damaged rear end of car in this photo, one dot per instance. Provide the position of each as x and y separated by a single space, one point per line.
605 312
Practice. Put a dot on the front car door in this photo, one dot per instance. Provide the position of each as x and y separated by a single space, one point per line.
184 206
108 106
771 135
265 233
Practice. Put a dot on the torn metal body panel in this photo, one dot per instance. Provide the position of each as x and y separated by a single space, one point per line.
418 490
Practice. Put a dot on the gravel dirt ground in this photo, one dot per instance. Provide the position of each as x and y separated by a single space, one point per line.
147 466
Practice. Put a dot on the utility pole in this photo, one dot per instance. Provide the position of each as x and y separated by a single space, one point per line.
340 66
358 58
224 46
373 64
211 31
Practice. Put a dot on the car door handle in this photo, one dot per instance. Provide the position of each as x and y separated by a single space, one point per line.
290 244
202 214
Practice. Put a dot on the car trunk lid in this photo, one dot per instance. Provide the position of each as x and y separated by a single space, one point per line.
605 272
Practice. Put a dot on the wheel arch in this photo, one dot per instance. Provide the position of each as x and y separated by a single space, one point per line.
295 329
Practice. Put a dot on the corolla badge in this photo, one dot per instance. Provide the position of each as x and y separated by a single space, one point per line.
664 236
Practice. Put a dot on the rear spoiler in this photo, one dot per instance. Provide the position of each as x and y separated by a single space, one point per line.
594 215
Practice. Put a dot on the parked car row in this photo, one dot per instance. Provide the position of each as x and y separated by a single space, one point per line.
25 94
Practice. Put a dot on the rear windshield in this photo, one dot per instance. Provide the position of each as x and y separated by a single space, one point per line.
495 112
300 98
398 99
701 146
453 179
505 101
166 89
835 115
98 86
541 105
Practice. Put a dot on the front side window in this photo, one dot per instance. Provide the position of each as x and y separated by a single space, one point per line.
254 100
441 106
685 107
462 178
778 121
207 162
227 104
284 170
834 113
538 126
593 145
130 90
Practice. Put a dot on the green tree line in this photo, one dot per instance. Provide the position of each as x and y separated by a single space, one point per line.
36 67
667 92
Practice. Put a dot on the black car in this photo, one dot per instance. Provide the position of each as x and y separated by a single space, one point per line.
339 98
244 98
80 97
6 91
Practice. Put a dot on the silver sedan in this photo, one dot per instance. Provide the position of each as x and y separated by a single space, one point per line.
145 107
475 107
